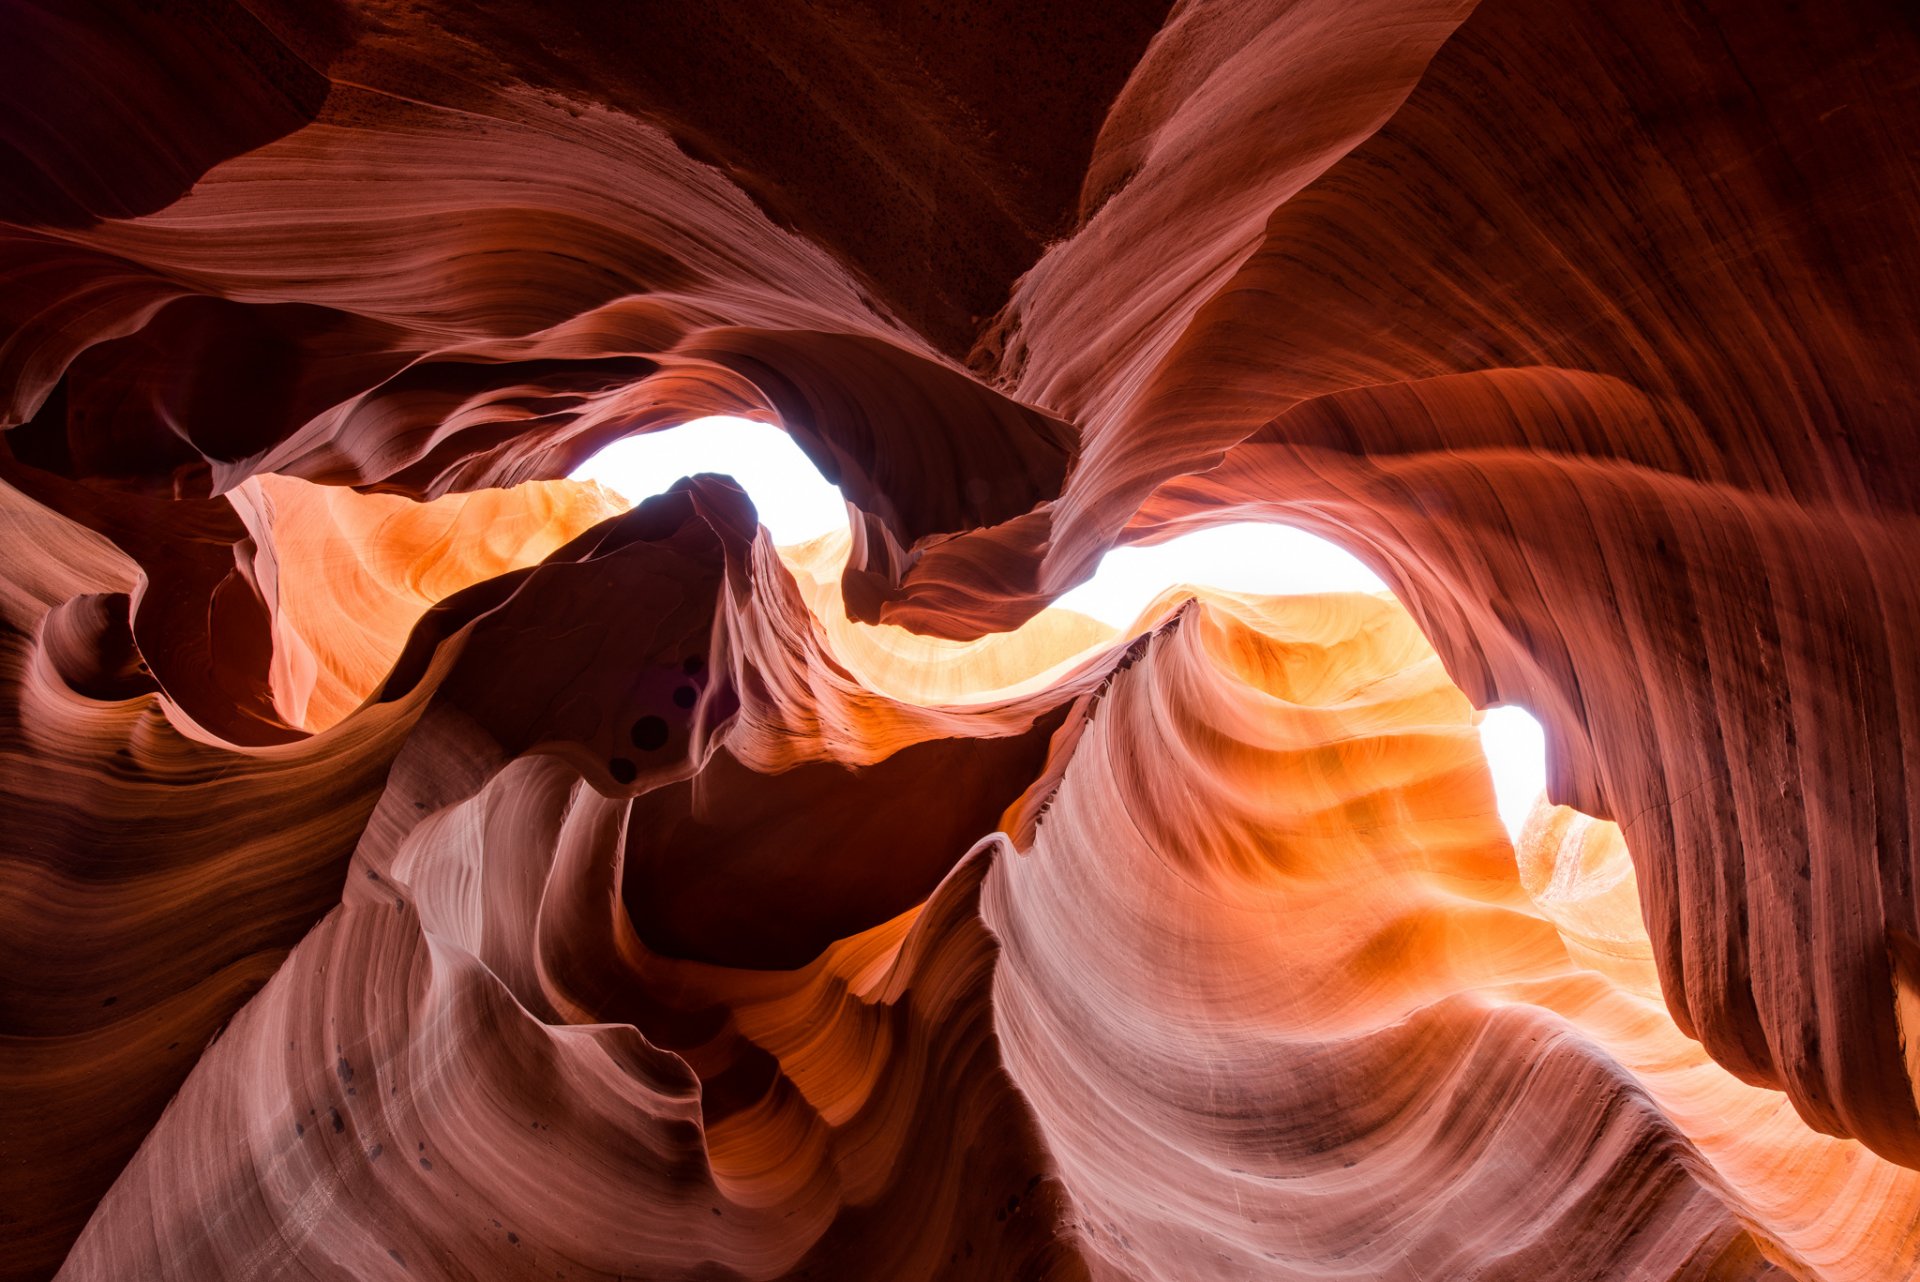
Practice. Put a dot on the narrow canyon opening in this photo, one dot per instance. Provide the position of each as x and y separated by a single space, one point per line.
798 505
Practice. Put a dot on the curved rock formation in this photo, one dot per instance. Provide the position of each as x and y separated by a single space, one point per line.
413 864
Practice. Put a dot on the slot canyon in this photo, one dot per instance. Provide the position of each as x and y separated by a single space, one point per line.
417 861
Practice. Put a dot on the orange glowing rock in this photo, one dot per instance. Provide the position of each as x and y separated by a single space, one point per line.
352 573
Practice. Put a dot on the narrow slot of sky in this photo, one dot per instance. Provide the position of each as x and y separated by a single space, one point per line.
796 504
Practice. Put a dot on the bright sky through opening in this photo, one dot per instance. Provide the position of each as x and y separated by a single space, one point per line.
796 504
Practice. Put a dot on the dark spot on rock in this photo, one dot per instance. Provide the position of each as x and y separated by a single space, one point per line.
1013 1203
694 665
426 1164
513 1239
716 1210
373 1154
299 1129
372 875
423 1146
396 1257
685 696
344 1069
110 1001
353 1090
650 734
419 805
338 1125
622 770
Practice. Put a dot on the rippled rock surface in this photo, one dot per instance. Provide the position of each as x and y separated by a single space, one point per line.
414 863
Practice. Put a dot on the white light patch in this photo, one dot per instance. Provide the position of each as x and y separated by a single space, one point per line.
796 504
1258 559
1516 749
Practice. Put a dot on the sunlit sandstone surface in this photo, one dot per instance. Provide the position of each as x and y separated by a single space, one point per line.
416 864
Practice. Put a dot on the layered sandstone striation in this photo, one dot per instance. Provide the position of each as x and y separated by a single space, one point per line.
415 863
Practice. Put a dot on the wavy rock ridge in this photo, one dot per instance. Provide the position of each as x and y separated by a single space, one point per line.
413 864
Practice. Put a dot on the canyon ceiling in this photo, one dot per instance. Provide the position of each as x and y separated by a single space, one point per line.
414 863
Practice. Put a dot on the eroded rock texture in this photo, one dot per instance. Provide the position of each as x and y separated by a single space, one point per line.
415 864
